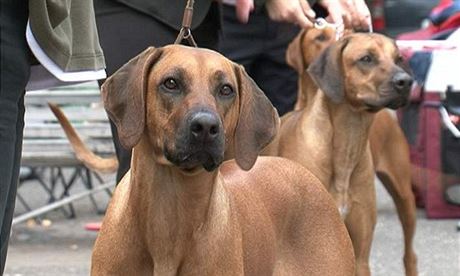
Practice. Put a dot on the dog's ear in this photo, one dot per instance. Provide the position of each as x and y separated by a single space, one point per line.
327 71
123 95
257 124
294 54
404 62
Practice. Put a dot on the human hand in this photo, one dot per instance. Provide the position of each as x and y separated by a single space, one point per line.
243 8
348 13
294 11
358 15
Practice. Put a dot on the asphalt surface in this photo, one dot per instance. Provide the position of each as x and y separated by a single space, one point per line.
61 246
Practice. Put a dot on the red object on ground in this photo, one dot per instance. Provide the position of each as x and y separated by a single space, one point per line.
426 160
93 226
429 180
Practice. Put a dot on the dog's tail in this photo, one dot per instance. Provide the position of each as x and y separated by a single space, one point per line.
82 152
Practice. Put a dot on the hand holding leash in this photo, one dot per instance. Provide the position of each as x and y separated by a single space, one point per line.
353 14
321 23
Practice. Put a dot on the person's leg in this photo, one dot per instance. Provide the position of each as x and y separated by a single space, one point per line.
242 43
124 33
260 46
278 81
14 63
207 33
271 72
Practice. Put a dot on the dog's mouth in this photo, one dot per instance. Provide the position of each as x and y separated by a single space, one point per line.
390 101
397 103
192 161
372 108
393 104
199 142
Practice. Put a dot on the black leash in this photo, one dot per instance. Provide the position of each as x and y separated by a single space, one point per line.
185 31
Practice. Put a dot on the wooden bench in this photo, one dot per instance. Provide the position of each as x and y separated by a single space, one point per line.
47 155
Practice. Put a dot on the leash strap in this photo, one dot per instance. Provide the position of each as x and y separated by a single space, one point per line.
185 31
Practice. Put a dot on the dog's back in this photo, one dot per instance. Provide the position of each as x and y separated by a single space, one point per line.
303 217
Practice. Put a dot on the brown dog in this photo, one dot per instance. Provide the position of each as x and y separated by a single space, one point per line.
179 211
358 76
389 148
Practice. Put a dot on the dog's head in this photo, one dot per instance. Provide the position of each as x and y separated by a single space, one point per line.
366 70
192 106
307 46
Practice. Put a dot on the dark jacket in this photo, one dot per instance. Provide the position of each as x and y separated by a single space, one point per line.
170 12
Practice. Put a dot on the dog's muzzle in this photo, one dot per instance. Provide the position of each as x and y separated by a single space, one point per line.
402 84
200 141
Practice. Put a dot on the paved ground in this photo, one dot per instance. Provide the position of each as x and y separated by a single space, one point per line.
64 247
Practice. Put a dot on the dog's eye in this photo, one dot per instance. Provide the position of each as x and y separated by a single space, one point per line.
366 59
171 84
226 91
399 59
321 37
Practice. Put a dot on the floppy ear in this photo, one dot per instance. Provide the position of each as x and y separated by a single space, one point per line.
294 55
123 96
327 71
257 124
405 63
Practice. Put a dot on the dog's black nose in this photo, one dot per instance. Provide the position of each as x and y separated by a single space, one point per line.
204 126
402 81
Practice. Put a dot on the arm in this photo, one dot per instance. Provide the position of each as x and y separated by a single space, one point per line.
350 13
347 13
295 11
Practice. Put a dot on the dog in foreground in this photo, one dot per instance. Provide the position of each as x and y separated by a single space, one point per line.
182 209
357 76
389 147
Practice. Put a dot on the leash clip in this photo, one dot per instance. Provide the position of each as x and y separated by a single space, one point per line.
185 31
321 23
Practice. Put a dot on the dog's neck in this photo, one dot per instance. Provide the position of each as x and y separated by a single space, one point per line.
349 139
180 206
306 91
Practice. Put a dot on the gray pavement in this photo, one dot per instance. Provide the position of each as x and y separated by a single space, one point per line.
64 247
